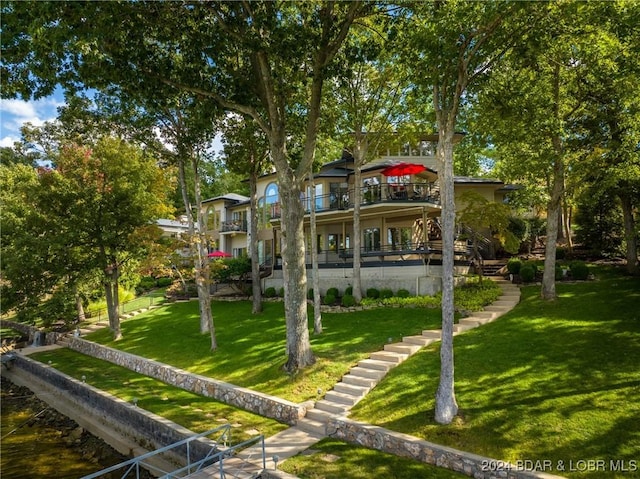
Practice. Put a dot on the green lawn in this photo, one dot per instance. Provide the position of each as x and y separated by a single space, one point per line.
549 381
252 347
194 412
331 459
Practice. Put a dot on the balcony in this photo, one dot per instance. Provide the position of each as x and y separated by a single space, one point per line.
234 226
386 193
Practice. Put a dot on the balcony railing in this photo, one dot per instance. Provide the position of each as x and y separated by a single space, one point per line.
343 199
233 226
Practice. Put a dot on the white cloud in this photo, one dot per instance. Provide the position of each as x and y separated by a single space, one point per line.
17 112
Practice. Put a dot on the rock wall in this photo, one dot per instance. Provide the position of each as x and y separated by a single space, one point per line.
262 404
399 444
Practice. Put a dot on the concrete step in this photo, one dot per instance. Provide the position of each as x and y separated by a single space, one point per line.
484 314
331 407
418 340
402 348
375 364
313 426
319 415
367 372
341 398
357 391
432 334
500 309
460 328
395 358
359 381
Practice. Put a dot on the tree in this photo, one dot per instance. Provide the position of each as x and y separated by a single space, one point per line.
453 45
267 60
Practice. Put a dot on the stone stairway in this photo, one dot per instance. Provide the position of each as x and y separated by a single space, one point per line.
369 372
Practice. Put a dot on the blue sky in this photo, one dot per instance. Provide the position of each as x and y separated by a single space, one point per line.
14 113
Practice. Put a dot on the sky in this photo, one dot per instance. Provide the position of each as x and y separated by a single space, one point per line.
14 113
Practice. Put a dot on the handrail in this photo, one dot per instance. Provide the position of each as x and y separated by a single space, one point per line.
134 464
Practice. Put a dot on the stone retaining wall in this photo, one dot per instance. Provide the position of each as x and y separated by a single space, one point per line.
137 425
262 404
399 444
30 331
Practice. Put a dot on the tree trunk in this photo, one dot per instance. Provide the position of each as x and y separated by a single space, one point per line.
79 306
548 291
566 225
295 277
256 305
629 232
356 241
446 405
317 309
111 295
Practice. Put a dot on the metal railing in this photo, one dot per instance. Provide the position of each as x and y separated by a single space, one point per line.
214 455
145 301
343 199
234 226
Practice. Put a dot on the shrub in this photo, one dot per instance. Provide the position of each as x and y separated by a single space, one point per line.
333 292
281 292
558 273
527 273
270 292
514 265
348 300
403 293
310 294
579 270
386 293
373 293
561 253
349 290
164 282
329 299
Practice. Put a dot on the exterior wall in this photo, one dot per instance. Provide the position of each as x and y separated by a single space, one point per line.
418 280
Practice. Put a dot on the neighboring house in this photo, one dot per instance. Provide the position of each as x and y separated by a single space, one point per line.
401 237
177 230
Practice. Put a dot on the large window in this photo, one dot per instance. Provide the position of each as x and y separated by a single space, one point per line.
271 194
213 219
372 239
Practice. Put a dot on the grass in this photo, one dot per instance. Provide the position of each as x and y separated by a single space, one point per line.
251 348
332 459
194 412
549 381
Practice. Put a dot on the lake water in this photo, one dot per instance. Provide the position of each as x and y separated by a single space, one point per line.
39 443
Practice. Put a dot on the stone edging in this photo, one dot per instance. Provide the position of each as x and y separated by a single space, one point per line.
263 404
399 444
50 337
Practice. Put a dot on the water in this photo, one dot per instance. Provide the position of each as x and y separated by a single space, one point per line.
37 442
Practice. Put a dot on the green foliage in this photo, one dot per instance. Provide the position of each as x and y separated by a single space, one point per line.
373 293
579 270
348 300
598 221
527 273
333 292
514 265
270 292
403 293
386 293
164 282
349 290
281 292
310 294
558 275
230 270
329 299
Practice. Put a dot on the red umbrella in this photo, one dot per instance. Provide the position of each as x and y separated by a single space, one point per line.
219 254
402 169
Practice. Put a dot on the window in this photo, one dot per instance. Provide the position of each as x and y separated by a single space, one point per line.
239 252
271 194
334 242
213 219
372 239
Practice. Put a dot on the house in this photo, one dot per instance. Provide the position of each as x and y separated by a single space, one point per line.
400 208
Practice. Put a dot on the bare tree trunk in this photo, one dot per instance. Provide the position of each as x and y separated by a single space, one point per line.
629 233
79 306
256 306
548 291
358 156
295 278
113 302
317 308
566 225
446 405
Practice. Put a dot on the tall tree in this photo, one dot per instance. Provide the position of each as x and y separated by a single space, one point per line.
268 60
453 45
